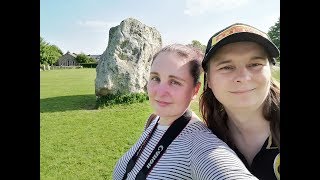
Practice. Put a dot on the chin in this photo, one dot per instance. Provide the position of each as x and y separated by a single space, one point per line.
245 105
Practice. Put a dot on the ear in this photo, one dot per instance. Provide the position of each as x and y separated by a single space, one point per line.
196 90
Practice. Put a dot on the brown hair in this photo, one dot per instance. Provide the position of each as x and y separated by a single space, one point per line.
193 55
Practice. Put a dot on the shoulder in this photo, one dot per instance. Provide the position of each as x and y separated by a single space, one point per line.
207 150
197 129
151 122
200 138
203 139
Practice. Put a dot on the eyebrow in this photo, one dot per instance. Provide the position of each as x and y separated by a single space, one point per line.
258 58
170 76
175 77
219 62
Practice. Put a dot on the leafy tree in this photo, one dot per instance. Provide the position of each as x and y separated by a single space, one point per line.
82 58
274 33
198 45
53 54
43 45
49 54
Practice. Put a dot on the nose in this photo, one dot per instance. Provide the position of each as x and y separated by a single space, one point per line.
161 89
242 75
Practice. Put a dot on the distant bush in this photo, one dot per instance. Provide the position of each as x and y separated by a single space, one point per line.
65 67
89 65
112 99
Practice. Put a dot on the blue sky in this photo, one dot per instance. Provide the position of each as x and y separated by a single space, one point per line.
83 25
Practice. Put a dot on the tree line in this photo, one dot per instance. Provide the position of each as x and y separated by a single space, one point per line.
49 54
274 34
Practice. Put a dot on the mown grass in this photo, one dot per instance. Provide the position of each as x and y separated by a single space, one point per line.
78 141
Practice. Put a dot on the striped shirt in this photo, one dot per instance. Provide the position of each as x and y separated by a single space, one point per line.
196 153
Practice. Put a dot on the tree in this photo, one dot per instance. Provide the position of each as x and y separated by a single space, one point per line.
82 58
43 45
198 45
53 54
49 54
274 33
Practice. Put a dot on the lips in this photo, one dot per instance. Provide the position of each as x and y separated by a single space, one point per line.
242 91
162 103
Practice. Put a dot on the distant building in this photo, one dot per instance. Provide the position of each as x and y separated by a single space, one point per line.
68 59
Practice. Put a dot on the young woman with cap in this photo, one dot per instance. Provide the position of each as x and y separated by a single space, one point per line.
241 101
177 145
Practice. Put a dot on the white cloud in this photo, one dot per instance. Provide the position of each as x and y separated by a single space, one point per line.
97 25
197 7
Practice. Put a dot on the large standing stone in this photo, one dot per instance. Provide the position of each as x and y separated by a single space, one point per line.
124 66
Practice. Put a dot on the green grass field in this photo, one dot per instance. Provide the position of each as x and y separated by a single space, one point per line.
76 140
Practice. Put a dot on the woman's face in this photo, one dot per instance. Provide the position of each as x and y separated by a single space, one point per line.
170 86
239 75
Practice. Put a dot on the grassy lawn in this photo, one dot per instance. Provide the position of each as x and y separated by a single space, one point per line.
76 140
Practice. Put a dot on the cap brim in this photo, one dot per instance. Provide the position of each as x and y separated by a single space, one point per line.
270 47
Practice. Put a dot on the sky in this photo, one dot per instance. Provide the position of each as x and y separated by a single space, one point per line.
82 26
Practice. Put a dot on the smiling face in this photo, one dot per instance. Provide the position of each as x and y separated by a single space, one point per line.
171 85
239 75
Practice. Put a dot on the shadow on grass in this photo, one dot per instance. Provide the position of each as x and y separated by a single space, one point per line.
68 103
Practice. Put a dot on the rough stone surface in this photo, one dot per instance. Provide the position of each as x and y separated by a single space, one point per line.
124 66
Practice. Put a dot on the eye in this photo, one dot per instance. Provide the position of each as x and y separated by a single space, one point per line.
155 78
255 64
226 68
174 82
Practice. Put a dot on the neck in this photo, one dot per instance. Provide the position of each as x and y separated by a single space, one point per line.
248 132
168 120
249 125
